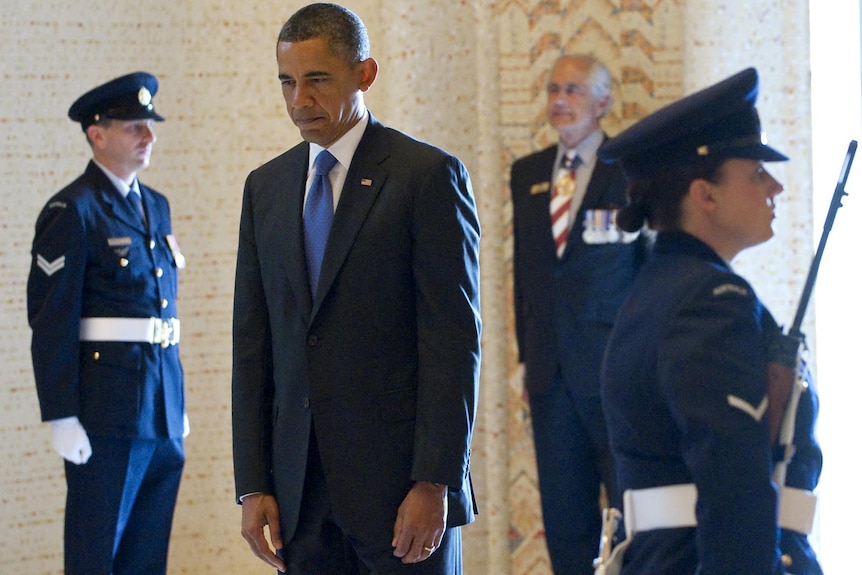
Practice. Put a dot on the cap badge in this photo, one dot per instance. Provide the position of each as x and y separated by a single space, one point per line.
144 96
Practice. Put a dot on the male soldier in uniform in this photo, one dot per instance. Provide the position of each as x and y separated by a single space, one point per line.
101 302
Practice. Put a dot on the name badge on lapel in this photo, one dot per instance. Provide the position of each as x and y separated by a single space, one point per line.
540 188
600 227
120 245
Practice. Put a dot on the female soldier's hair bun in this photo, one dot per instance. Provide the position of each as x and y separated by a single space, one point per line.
632 217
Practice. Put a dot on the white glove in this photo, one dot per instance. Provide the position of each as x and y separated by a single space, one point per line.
186 427
70 440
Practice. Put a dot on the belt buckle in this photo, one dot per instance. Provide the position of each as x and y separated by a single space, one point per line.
162 331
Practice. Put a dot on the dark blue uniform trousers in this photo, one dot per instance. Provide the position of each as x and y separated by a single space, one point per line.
120 506
573 460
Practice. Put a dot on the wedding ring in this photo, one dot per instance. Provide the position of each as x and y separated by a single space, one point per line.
429 549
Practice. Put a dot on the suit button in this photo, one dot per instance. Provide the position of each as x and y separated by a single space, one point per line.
305 402
152 244
164 303
159 272
312 340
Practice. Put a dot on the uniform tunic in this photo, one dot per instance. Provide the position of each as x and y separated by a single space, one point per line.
684 391
92 257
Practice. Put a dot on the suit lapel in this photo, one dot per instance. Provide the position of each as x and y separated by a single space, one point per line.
538 199
596 189
290 189
154 216
364 181
598 185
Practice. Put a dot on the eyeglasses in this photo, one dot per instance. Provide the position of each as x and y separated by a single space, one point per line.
567 89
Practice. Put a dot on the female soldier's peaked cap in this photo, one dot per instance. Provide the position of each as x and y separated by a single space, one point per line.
717 122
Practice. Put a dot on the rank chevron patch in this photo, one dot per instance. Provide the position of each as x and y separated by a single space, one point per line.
743 405
50 267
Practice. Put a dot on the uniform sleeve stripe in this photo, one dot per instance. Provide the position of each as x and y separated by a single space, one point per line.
50 267
743 405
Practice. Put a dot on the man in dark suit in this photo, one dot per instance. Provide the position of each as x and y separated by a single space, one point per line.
354 401
101 299
572 270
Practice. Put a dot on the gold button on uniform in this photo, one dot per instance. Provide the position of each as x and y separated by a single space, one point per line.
96 356
787 560
124 262
159 272
152 244
164 303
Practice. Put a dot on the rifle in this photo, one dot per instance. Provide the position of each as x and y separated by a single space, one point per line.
785 353
610 559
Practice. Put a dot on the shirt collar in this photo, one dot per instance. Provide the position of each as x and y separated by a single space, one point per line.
586 149
121 186
344 147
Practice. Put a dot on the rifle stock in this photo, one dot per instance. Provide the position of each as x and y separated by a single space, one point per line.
785 354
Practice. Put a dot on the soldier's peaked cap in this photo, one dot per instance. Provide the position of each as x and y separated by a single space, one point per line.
717 122
128 97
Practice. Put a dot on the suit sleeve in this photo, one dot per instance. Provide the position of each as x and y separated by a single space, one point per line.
252 382
54 295
515 189
446 272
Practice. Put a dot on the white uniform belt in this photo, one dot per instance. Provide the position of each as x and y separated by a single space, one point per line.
154 330
672 506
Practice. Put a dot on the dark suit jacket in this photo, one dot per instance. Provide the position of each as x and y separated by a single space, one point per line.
386 362
565 308
92 257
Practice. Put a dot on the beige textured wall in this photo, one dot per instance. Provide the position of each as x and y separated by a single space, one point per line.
221 98
467 75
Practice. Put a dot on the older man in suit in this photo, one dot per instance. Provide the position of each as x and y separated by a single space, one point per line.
572 270
356 328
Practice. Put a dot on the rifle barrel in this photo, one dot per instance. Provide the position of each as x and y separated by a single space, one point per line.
837 195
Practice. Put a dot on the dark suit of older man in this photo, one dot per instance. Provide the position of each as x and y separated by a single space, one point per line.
565 309
573 269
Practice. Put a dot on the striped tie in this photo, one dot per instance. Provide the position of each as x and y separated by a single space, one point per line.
561 201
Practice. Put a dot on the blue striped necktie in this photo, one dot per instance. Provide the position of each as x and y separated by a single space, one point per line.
317 217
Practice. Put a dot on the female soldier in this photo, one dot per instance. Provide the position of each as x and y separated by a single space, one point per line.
684 383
